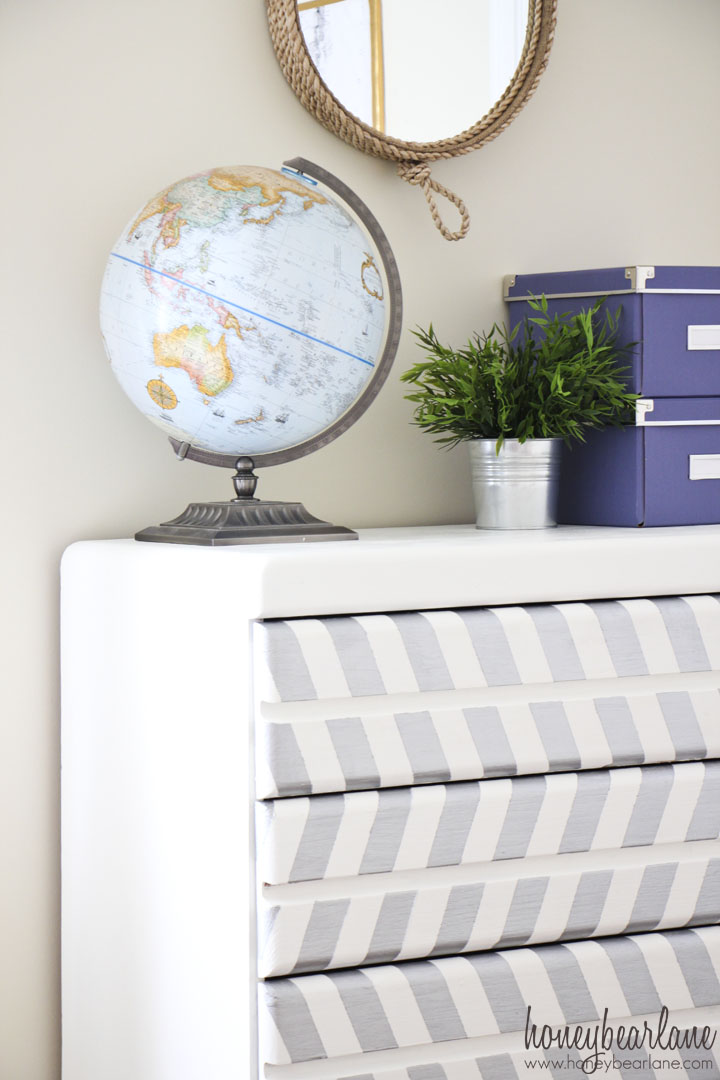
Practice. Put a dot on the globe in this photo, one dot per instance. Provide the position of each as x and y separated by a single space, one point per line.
245 310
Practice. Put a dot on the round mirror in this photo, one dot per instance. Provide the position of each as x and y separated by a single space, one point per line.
418 75
414 82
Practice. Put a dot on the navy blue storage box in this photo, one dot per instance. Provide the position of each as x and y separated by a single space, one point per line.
666 469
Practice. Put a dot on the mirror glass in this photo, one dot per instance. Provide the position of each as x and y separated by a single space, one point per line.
416 70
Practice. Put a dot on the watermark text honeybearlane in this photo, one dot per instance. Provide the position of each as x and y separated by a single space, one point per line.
603 1036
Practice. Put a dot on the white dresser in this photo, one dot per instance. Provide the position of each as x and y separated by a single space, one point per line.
347 810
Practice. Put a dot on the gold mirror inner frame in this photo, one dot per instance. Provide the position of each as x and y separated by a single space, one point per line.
413 158
348 50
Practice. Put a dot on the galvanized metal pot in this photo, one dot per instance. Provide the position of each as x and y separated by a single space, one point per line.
517 488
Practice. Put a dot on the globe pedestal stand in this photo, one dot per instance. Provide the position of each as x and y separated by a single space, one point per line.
244 520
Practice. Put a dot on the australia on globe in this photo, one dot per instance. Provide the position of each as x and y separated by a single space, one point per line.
243 310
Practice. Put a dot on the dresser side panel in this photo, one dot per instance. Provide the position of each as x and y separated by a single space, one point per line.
158 939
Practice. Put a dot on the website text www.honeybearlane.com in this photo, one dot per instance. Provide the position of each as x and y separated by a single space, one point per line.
603 1065
603 1039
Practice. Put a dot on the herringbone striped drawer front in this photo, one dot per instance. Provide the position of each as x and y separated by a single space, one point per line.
366 702
402 829
323 749
440 912
349 1014
362 656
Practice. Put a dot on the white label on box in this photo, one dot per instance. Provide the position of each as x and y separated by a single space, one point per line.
705 466
703 337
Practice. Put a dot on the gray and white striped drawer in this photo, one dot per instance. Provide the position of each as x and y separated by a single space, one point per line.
381 918
351 703
380 743
359 1023
417 828
365 655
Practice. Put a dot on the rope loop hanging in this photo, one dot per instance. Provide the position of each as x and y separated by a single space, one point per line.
419 176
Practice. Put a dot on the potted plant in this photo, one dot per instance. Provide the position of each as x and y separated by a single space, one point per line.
514 397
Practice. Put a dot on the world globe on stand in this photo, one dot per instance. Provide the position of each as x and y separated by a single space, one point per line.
243 310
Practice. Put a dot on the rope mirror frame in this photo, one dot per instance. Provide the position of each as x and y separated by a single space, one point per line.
412 158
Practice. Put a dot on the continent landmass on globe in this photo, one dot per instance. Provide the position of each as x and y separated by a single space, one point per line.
229 321
190 349
260 188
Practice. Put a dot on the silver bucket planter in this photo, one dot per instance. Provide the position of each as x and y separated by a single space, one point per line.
517 488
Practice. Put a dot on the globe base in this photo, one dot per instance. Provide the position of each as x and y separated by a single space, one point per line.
244 521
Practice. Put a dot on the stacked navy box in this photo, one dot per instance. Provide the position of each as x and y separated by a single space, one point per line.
665 470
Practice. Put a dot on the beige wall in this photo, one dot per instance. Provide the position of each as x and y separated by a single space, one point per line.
615 161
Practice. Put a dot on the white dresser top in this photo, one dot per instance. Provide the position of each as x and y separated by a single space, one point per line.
424 567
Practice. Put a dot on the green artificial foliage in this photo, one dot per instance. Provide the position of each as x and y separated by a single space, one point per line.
549 378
